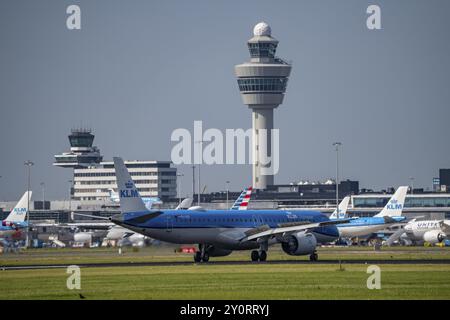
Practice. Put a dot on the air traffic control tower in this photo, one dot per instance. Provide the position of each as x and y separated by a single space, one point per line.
82 154
262 83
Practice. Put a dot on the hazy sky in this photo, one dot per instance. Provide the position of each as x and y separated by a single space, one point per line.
137 70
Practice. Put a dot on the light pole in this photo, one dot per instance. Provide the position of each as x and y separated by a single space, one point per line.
179 186
199 162
337 145
193 182
29 164
412 184
228 190
43 195
70 195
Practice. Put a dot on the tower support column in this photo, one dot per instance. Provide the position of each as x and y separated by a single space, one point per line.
262 120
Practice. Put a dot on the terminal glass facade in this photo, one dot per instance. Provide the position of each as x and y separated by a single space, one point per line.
410 202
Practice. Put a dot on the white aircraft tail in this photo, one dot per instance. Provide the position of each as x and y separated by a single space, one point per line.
19 212
130 200
394 207
343 206
185 204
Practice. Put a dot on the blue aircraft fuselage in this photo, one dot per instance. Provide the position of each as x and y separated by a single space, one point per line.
221 227
366 226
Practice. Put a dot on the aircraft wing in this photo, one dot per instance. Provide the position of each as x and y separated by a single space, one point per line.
84 225
395 236
259 232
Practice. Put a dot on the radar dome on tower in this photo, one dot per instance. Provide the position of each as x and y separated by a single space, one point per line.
262 29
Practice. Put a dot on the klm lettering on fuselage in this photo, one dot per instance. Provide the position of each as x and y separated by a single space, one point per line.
129 193
20 210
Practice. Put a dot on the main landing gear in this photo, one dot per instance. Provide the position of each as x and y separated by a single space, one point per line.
202 255
259 255
314 256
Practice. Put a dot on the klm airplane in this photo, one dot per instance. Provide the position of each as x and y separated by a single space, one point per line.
219 232
342 208
391 214
16 219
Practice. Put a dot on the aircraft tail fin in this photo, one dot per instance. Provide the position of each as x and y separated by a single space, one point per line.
113 196
130 199
394 207
343 206
242 201
19 212
185 204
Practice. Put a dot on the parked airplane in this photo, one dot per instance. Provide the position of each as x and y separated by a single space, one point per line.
391 214
343 206
125 236
148 201
432 231
243 200
219 232
16 218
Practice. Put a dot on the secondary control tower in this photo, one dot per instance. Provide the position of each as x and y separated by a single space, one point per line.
82 152
262 82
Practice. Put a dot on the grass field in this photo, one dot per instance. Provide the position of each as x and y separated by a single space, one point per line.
231 282
251 281
166 253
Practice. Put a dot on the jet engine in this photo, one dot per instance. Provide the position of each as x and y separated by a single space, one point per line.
434 236
299 244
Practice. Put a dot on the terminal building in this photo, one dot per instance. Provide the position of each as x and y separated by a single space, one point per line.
302 194
444 180
152 178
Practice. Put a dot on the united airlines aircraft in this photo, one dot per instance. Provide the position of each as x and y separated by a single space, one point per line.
219 232
431 231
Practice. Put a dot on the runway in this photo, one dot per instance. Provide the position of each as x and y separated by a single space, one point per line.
222 263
